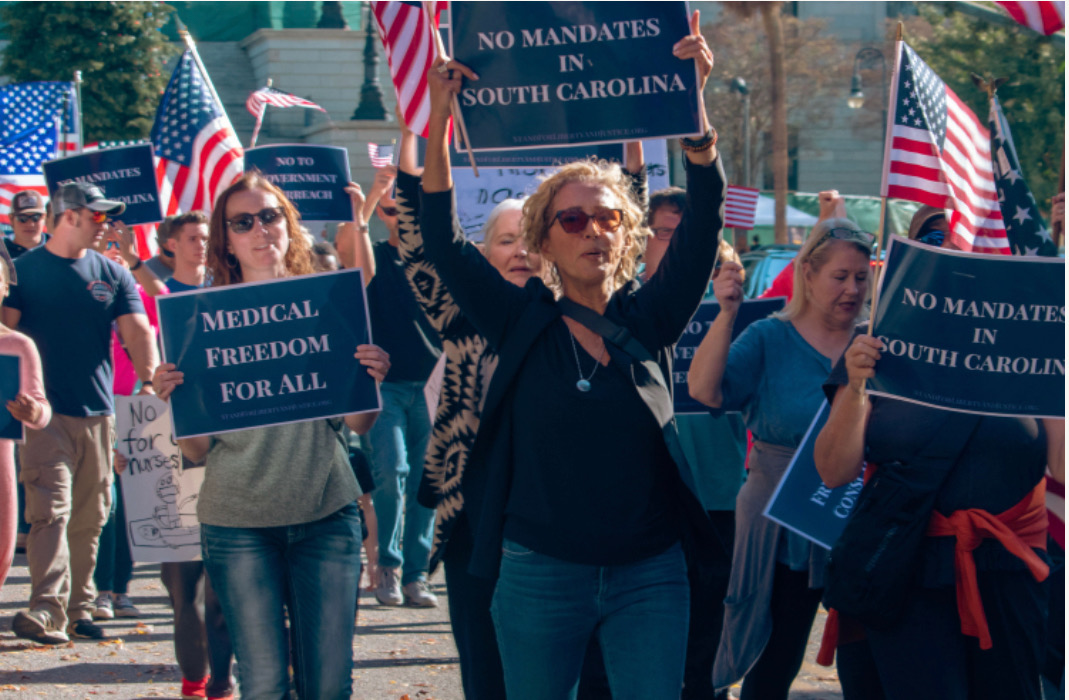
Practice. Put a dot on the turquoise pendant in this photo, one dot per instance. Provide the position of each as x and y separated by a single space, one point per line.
582 385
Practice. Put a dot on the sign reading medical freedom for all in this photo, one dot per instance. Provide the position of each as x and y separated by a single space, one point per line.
125 174
972 332
751 310
558 73
313 178
268 353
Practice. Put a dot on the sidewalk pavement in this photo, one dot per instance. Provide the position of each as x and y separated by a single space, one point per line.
399 653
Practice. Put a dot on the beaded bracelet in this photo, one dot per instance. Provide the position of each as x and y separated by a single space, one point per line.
704 143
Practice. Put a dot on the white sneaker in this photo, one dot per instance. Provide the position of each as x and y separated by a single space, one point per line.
104 609
418 595
388 591
123 607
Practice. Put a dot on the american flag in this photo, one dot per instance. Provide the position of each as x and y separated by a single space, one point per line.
1025 227
1044 16
381 156
198 154
938 153
409 44
740 207
21 156
258 101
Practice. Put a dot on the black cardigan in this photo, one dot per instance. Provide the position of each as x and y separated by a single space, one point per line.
511 318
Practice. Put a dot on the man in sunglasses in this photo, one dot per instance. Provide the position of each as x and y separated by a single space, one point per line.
67 298
28 222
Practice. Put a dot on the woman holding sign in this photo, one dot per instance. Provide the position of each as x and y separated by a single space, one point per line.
280 526
965 615
579 507
773 373
29 406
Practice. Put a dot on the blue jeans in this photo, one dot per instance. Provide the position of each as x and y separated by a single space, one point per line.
546 610
114 567
397 445
311 571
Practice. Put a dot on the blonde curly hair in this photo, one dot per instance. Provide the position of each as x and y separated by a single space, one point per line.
538 218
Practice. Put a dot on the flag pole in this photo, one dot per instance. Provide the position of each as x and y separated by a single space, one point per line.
439 48
883 190
192 46
78 110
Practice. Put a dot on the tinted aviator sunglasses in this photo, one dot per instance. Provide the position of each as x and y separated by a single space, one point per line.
575 220
848 234
27 218
243 223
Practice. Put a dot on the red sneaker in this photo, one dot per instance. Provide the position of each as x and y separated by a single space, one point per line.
194 690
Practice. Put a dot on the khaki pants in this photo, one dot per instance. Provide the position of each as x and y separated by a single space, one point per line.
67 472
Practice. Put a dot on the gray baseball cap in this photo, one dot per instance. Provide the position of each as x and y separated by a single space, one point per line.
78 195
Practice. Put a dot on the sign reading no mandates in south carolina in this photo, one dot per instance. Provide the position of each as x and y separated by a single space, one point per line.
555 73
267 353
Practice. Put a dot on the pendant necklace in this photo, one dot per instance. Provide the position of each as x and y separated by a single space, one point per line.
583 385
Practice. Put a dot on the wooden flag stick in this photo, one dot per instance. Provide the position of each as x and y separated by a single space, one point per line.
879 265
439 48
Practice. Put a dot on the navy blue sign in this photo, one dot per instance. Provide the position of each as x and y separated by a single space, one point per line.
971 332
10 428
803 503
125 174
558 73
751 310
267 353
313 178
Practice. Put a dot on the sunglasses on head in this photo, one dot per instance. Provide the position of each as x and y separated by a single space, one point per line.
933 237
848 234
388 211
243 223
574 220
27 218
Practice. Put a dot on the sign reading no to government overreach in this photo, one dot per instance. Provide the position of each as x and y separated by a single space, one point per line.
556 73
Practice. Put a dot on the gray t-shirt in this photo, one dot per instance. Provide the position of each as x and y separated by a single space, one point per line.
277 476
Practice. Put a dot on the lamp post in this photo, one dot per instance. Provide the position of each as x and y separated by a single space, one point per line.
371 106
868 57
739 85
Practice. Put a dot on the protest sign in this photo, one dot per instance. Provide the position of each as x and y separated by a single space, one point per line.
477 196
972 332
801 501
313 178
160 498
10 427
556 73
126 174
751 310
268 353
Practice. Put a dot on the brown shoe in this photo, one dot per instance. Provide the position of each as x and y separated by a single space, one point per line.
37 626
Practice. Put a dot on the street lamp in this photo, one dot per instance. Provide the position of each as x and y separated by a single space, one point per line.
867 56
739 85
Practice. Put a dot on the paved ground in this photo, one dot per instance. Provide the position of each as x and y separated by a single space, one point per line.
399 653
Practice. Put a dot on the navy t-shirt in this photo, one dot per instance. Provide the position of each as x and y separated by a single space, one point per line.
398 325
68 306
174 286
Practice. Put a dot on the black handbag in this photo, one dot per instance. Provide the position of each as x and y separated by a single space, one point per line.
875 564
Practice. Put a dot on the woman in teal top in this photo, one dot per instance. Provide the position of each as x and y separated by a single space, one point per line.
773 374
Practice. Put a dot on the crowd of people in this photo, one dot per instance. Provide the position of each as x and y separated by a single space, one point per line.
594 544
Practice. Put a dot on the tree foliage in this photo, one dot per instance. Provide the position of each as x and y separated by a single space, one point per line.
817 69
117 46
956 45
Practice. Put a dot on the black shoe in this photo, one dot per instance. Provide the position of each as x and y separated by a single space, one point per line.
85 629
37 626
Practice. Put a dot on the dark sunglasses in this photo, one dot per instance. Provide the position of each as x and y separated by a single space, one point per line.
388 211
848 234
933 237
243 223
575 220
98 217
27 218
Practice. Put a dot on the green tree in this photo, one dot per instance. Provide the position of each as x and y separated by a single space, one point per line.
117 46
956 45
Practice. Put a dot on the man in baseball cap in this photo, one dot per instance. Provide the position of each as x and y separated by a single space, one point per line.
82 195
27 221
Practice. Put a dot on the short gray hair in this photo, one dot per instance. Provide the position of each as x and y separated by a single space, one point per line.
495 214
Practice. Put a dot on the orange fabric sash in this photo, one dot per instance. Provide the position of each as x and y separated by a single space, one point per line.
1019 529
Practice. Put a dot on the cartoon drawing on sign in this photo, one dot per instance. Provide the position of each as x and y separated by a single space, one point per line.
173 523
